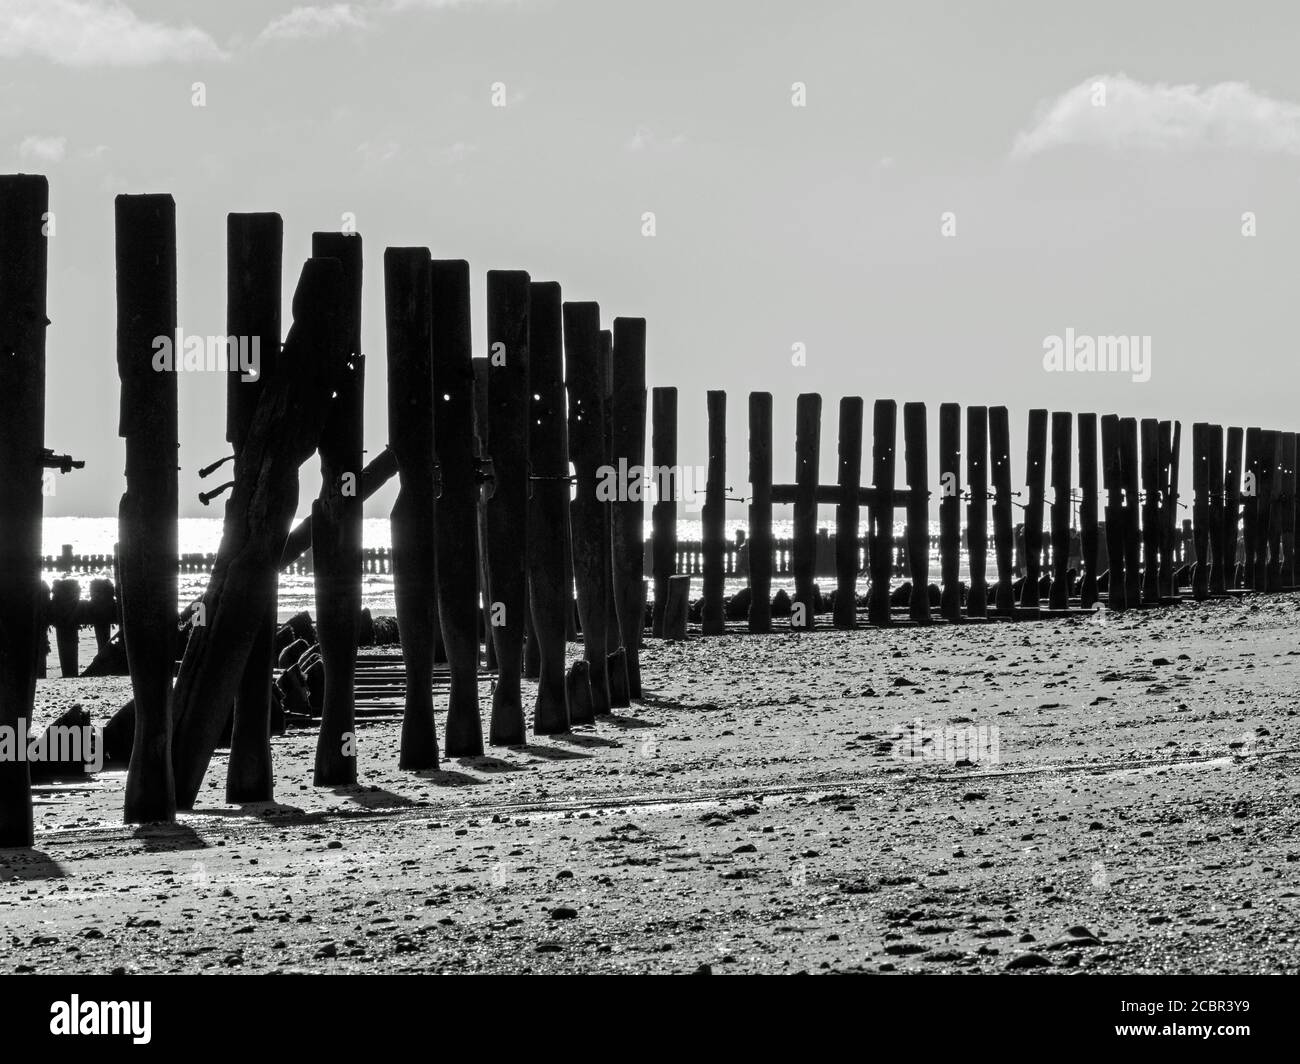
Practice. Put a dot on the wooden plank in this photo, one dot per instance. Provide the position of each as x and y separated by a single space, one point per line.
1112 468
807 451
1003 542
847 513
1088 506
977 509
880 535
1201 510
1130 472
1214 459
714 516
916 461
1232 508
760 511
1035 477
1059 593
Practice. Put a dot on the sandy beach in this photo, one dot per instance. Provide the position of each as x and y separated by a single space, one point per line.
1135 812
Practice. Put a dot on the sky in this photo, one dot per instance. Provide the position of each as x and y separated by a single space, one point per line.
949 195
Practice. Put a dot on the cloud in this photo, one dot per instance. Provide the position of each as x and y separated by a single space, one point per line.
377 153
43 149
1116 112
645 139
303 23
89 33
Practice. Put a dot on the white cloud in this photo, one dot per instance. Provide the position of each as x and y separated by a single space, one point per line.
645 139
1228 116
307 22
378 153
43 149
87 33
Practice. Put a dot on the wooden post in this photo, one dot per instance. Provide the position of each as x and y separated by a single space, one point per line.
616 656
1035 476
1171 435
950 509
977 509
456 508
807 450
254 278
507 505
1250 506
1003 542
628 437
24 211
587 511
676 607
1059 596
714 515
880 518
918 510
760 511
1232 504
1268 541
663 515
64 596
847 512
147 529
407 301
1214 458
1285 522
479 367
1088 539
1130 471
1201 510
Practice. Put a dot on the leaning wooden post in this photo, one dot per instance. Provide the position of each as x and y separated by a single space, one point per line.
409 320
507 505
1035 476
977 509
950 509
663 515
918 510
1214 458
760 511
1112 471
807 451
1088 539
1131 470
880 517
587 510
456 509
1003 541
254 277
336 526
714 515
628 431
1201 510
1232 503
24 211
847 513
147 529
1059 594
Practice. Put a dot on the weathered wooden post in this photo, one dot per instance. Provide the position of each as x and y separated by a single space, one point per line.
1214 459
1035 476
254 277
1059 594
807 452
1003 541
950 509
1131 469
977 509
587 511
1250 505
1088 539
507 505
1267 547
548 504
676 607
24 211
847 513
1112 466
456 509
336 525
1171 436
147 529
880 518
663 515
1285 521
409 320
1232 503
64 596
1201 510
760 511
916 461
628 432
616 656
714 516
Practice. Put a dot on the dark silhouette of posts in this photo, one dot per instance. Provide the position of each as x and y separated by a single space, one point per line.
548 504
254 277
456 508
627 418
1003 542
587 511
147 529
1112 471
977 509
663 515
1284 523
336 526
409 320
714 515
1035 477
950 510
1088 539
616 656
1232 503
880 518
918 510
24 208
1170 443
807 449
1201 510
1250 495
1128 451
1059 594
1214 458
507 505
847 513
1265 497
760 511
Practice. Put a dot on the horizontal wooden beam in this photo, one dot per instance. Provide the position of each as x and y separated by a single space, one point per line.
829 495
